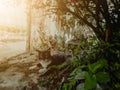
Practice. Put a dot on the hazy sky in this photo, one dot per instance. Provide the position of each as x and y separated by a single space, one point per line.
12 14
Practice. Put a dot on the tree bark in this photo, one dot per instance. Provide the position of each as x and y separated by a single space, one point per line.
28 41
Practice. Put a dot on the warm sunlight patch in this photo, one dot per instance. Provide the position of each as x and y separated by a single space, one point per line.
12 28
12 13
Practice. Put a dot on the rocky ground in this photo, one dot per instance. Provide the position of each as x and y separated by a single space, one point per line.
20 72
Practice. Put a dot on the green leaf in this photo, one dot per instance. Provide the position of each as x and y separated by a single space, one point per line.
80 87
102 77
97 66
90 81
65 86
94 67
80 76
117 74
75 71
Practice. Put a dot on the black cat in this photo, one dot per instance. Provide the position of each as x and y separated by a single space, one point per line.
43 55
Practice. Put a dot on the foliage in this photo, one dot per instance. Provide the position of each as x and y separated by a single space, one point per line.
99 63
103 57
102 16
94 71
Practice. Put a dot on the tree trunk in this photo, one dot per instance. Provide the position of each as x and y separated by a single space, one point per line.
28 42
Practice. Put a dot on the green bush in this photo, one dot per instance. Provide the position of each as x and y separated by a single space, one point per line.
97 70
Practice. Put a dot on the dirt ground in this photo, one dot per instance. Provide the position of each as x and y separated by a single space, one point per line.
16 72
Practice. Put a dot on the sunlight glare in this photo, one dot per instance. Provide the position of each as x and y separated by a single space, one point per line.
12 14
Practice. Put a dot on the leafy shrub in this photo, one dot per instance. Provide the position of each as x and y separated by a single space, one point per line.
97 70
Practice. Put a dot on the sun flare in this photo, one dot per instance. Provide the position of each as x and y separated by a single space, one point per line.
12 14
